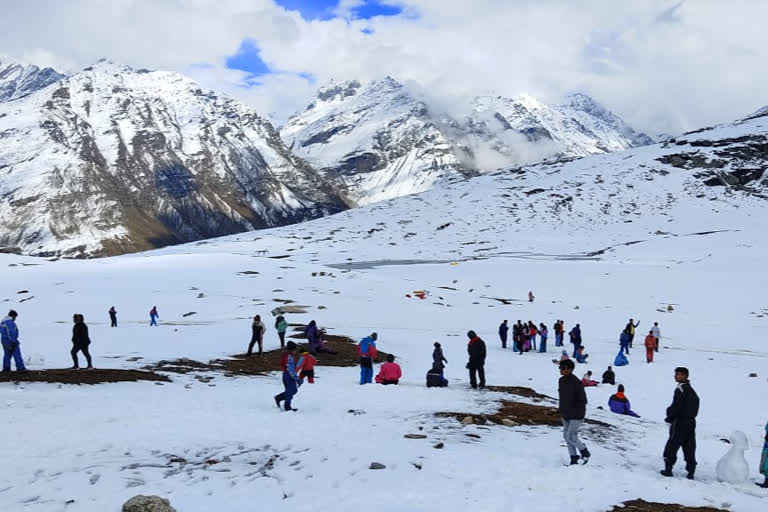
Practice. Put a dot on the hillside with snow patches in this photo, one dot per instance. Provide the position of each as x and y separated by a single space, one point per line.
383 139
18 79
114 159
671 233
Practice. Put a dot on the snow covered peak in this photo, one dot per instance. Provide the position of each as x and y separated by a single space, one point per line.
338 90
18 79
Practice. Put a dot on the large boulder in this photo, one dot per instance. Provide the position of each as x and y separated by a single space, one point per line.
142 503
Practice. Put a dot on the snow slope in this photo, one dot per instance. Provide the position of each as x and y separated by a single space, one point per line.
467 245
115 159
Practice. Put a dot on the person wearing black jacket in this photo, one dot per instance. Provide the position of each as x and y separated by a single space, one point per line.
681 416
476 364
80 341
503 330
609 377
573 408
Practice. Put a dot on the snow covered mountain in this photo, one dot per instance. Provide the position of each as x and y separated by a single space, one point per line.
383 140
18 79
114 159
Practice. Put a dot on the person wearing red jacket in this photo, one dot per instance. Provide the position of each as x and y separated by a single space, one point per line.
390 372
307 368
650 346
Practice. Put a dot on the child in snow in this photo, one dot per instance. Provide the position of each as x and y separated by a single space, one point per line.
307 368
153 316
281 326
367 352
438 359
435 378
9 335
620 404
587 380
390 372
650 346
291 379
609 377
764 460
624 341
581 357
621 359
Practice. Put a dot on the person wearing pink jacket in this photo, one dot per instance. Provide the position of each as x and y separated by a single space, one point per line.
390 372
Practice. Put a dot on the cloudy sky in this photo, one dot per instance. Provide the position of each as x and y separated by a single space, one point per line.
664 65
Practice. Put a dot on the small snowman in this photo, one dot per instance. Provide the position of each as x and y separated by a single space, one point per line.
733 467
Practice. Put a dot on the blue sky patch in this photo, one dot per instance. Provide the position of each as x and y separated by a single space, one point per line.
248 59
323 9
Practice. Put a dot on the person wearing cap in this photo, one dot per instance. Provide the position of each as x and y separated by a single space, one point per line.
573 408
9 336
619 403
367 352
476 363
291 379
681 416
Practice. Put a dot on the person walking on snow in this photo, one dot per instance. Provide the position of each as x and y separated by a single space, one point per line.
281 326
630 328
575 335
476 363
153 316
112 317
624 341
9 336
650 346
543 332
764 461
80 342
257 335
390 372
656 332
438 359
291 380
573 407
681 416
367 352
503 329
530 297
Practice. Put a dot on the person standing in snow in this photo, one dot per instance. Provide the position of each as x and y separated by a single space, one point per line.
573 408
307 367
624 341
281 326
764 461
517 336
558 328
543 332
532 331
609 377
476 363
575 336
681 416
503 330
438 359
9 336
619 403
113 317
367 352
153 316
390 372
656 332
530 297
257 335
630 328
650 346
80 341
291 380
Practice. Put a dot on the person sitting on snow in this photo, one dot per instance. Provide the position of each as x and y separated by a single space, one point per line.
390 372
587 380
609 377
620 404
563 357
621 359
581 357
435 378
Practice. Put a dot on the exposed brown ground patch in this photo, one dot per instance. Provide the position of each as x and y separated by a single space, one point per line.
518 413
648 506
520 391
95 376
269 361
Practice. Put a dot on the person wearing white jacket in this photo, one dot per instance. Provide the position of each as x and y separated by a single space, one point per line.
656 333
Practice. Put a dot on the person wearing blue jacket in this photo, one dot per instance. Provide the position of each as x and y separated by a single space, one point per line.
367 352
624 341
291 380
9 336
503 330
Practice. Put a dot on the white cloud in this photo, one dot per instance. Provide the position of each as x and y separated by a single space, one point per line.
664 65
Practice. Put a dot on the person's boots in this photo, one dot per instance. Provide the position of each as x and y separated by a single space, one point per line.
667 471
690 476
764 485
574 459
585 455
277 400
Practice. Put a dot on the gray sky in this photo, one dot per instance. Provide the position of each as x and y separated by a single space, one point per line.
665 66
